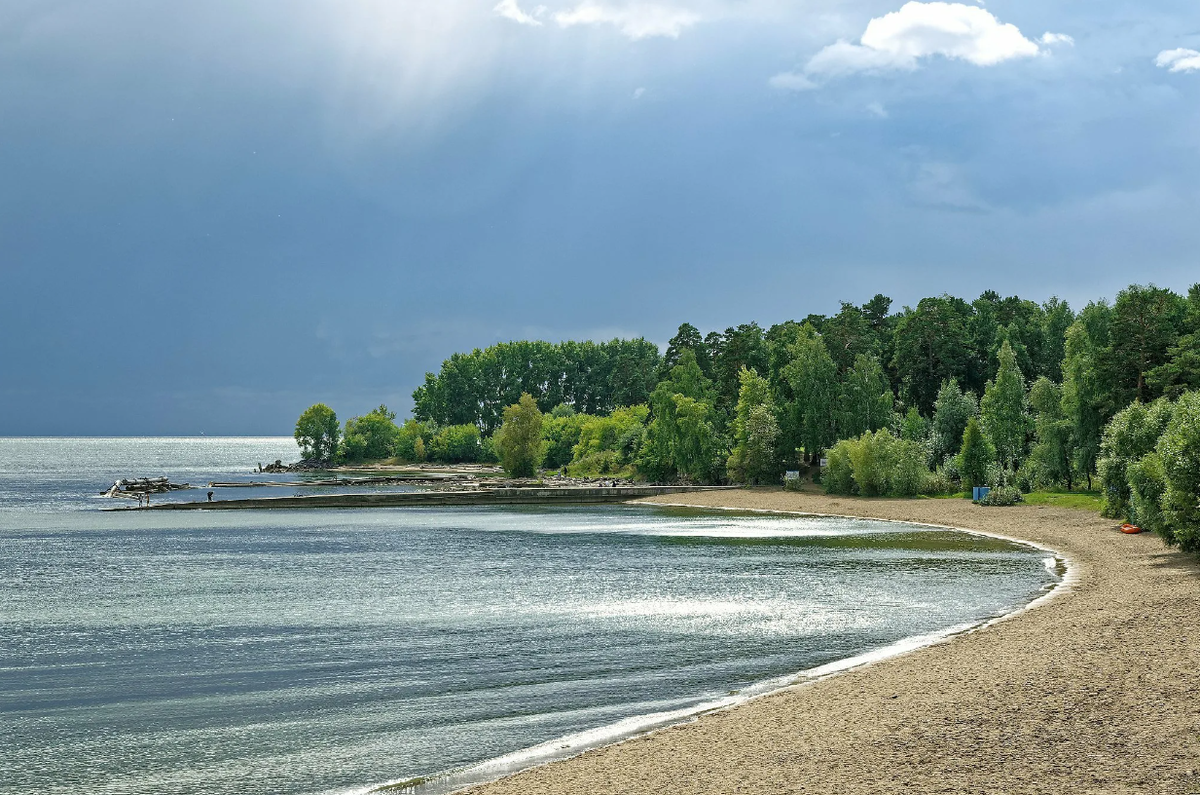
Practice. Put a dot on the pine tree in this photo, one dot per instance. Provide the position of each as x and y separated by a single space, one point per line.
975 456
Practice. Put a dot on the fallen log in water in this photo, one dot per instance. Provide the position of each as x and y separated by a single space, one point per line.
135 488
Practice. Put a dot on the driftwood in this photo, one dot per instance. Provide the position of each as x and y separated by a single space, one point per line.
137 488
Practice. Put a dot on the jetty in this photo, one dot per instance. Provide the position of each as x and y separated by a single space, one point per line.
550 495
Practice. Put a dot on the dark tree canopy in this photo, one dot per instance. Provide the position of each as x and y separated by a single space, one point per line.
593 378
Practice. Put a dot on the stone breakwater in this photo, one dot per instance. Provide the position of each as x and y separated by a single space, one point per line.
493 496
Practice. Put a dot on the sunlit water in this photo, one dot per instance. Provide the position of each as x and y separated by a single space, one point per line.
325 651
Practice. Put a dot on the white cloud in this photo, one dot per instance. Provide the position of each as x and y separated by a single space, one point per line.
792 81
1050 39
877 109
510 10
639 92
1179 60
900 40
635 21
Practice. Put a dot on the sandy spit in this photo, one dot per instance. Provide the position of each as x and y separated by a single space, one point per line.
1094 691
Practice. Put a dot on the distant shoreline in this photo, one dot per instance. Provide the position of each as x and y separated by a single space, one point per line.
1093 690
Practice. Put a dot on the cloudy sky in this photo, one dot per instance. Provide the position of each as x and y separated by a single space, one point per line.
213 214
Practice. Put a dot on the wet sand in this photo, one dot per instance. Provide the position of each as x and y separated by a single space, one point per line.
1096 690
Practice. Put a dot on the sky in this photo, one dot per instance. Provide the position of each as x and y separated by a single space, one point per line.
214 214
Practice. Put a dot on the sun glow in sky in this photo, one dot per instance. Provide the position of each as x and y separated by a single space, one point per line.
214 214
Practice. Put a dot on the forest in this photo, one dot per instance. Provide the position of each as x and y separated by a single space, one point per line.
932 399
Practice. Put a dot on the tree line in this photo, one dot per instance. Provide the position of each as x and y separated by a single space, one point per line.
940 396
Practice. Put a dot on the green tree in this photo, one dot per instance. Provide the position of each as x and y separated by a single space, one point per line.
681 440
1003 410
1146 322
371 436
1181 369
975 456
933 343
1088 384
812 376
614 433
687 338
1179 451
866 399
519 440
755 431
914 427
742 347
848 335
317 432
951 411
1057 317
1052 457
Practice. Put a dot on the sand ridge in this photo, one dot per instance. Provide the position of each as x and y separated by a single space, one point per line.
1094 691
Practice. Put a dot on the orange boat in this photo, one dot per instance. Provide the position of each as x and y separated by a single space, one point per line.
1131 529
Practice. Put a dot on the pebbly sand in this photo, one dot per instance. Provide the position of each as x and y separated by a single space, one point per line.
1094 691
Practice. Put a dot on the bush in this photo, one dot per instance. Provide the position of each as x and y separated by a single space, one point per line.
455 444
906 473
410 441
561 433
1179 450
838 475
1001 496
876 464
1129 435
598 434
488 454
868 457
1147 484
371 436
603 463
940 482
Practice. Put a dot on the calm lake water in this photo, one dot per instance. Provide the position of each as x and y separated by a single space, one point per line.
329 651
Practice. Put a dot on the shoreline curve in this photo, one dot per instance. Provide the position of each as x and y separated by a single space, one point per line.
635 727
1034 701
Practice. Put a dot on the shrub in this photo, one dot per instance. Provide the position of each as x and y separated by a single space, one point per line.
868 457
1129 435
488 454
838 474
410 441
561 433
939 482
876 464
597 434
1179 450
371 436
1001 496
605 462
455 444
1147 484
906 473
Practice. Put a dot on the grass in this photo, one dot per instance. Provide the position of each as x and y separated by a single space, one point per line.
1083 500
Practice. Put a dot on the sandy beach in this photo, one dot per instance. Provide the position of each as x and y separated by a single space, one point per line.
1095 691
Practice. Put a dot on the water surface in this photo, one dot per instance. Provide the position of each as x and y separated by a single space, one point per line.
324 651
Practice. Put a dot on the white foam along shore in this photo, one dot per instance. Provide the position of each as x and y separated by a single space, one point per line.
642 725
